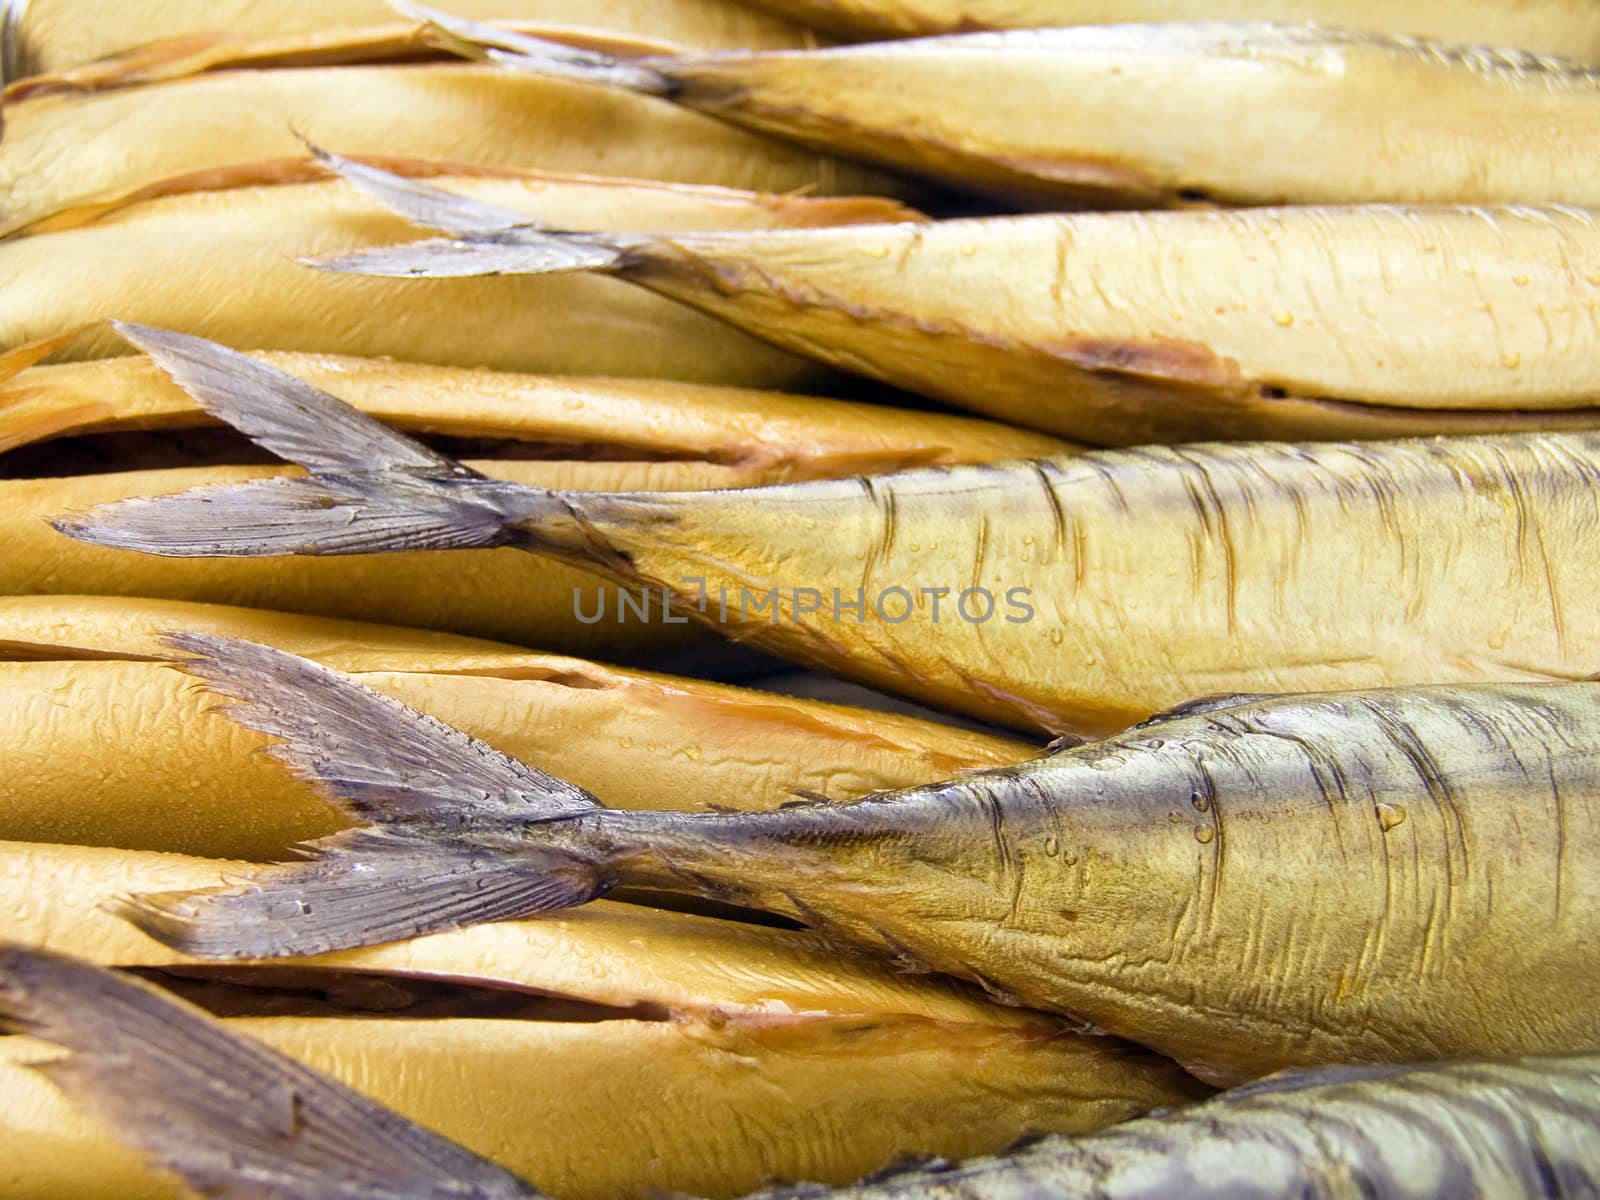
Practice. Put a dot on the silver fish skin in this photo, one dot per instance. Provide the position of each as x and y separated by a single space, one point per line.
1518 1129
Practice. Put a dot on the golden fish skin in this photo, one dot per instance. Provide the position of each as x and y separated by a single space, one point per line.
1104 587
1134 328
736 1019
132 759
60 152
1567 27
1245 884
222 261
58 35
1159 115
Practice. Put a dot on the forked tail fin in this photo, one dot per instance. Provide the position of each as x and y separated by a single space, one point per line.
228 1115
446 839
372 489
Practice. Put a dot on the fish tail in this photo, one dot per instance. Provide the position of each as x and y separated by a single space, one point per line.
481 42
374 513
226 1113
450 832
371 489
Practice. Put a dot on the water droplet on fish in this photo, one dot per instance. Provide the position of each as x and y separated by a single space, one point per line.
875 251
1051 847
1203 834
969 248
1594 280
1283 317
1027 539
1391 816
1057 637
1201 804
1175 817
692 753
1520 280
1154 744
1511 360
1070 859
625 742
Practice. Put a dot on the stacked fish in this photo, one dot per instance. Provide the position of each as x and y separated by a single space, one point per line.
349 350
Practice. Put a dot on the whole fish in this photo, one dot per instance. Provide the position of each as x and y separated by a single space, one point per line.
1503 1129
216 256
1126 328
59 35
64 151
1076 594
1569 27
1241 113
785 1057
1243 885
132 760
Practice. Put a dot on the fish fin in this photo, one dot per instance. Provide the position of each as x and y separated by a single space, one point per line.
381 761
228 1115
1202 705
532 253
285 415
363 887
422 203
480 42
375 513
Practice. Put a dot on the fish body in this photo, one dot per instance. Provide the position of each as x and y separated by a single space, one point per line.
1143 327
1063 595
1234 113
64 151
1243 885
59 35
1567 27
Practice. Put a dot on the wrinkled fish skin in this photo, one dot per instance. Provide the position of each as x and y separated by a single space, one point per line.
1495 1130
1242 885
